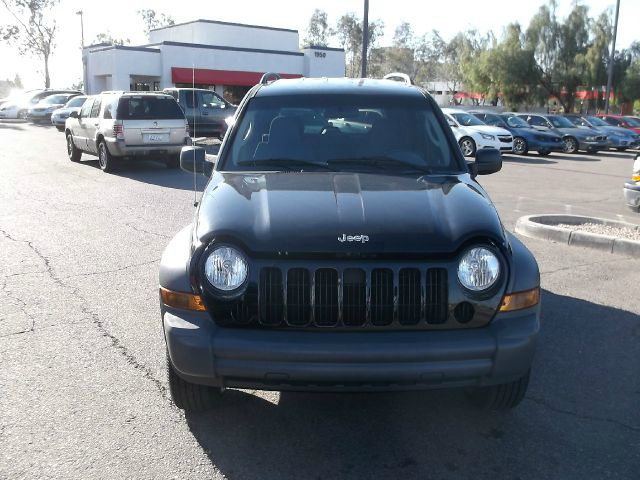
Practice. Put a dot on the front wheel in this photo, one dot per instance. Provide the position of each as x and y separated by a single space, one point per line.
501 397
520 146
570 145
188 396
22 114
468 146
105 159
72 151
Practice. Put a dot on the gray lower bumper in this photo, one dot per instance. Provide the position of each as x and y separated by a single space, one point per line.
632 195
201 352
119 149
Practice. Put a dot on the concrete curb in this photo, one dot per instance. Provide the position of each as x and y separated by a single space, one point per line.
545 227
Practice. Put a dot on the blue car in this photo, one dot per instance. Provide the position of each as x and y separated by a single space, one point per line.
525 137
619 138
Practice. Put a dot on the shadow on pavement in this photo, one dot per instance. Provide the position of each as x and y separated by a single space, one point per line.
11 126
630 155
576 421
527 159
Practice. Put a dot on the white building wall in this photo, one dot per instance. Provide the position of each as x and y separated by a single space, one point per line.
213 33
324 62
111 68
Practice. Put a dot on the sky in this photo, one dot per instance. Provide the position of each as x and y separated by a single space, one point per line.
121 20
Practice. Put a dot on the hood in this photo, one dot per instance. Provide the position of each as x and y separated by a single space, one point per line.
62 110
488 129
618 131
317 213
579 132
528 132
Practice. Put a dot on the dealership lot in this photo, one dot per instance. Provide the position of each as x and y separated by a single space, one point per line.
82 382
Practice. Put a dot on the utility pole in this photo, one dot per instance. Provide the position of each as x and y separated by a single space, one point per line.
611 59
79 12
84 59
365 38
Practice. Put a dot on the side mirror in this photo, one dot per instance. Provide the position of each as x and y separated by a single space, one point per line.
488 161
74 115
194 160
451 123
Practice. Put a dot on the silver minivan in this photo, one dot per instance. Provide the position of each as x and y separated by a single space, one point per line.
118 125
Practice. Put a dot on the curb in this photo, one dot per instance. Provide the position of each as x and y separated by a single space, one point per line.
544 227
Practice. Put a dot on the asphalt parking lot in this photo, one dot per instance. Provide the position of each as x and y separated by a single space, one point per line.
83 391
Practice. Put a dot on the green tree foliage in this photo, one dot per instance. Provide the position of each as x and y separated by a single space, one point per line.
32 29
108 38
318 31
349 34
153 20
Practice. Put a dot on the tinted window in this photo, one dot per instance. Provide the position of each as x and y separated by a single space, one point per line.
491 119
86 107
95 110
633 121
148 108
538 121
56 99
466 119
561 122
612 121
190 98
598 122
211 99
516 122
321 128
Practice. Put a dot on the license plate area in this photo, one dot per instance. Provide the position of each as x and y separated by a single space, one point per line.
155 138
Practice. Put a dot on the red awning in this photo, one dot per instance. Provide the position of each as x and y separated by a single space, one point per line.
461 95
205 76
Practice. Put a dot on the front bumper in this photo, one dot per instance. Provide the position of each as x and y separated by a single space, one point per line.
501 146
632 195
202 352
592 146
58 121
39 117
118 148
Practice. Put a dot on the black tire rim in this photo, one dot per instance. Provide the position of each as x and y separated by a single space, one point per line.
519 146
467 147
102 156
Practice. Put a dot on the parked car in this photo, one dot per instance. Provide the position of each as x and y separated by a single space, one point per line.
574 139
19 107
206 111
619 138
41 111
525 137
632 187
629 122
59 116
118 125
346 259
473 135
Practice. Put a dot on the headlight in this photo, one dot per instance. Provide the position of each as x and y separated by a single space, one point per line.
487 137
226 268
590 139
478 269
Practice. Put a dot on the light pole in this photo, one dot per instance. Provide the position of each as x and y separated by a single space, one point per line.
365 38
84 60
611 59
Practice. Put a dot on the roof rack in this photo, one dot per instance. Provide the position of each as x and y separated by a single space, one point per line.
398 77
269 77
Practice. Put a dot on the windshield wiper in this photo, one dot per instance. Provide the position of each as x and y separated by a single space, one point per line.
285 163
379 162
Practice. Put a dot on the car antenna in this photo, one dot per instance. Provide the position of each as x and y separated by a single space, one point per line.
193 102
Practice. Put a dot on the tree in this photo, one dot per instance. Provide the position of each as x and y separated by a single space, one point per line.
108 38
17 81
34 29
318 31
349 33
153 20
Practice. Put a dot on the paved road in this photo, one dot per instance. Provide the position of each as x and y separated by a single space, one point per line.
82 384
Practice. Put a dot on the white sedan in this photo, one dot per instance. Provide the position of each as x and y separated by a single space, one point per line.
472 134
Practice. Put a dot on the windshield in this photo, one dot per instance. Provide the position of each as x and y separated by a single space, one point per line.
516 122
494 120
75 102
560 122
633 121
467 120
55 99
597 122
339 132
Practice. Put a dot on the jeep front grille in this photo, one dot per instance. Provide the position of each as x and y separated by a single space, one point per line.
349 297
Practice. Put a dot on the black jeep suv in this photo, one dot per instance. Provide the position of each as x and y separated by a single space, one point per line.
343 244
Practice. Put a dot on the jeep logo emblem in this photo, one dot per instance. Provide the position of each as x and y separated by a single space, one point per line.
353 238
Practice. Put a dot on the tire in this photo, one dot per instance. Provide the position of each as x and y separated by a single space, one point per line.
570 145
621 149
72 150
468 146
60 129
22 114
173 162
501 397
544 153
520 146
105 159
188 396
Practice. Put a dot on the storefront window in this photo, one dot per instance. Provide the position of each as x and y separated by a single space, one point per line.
235 93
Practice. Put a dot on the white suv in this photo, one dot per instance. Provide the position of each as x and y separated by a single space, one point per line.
472 134
118 125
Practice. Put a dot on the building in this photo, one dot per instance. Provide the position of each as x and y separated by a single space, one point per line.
226 57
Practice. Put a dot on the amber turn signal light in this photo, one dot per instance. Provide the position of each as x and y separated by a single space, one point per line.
186 301
520 300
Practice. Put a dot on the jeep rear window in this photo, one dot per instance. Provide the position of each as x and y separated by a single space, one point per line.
148 108
322 128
